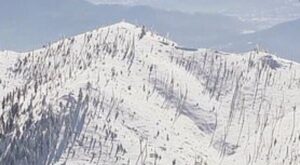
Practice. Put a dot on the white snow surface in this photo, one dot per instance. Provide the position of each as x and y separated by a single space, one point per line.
124 95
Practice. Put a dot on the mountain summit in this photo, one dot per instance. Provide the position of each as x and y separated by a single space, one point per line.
125 95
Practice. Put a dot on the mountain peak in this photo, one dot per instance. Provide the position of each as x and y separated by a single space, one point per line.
124 24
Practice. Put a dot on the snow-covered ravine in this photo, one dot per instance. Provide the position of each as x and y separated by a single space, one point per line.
124 95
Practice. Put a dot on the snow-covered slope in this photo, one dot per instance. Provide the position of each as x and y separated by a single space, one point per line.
124 95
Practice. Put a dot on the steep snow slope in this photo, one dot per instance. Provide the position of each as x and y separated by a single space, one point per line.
7 61
124 95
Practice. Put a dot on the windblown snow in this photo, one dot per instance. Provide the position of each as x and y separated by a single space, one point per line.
127 96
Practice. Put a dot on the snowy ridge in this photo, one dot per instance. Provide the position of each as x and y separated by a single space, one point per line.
124 95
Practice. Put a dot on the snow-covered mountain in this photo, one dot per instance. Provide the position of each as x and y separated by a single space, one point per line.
125 95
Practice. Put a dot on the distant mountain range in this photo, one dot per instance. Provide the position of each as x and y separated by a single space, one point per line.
282 40
35 23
